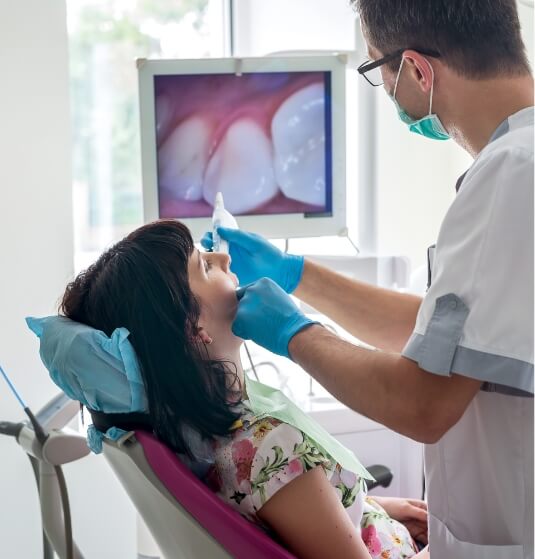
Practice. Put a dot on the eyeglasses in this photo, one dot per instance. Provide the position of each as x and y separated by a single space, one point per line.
371 70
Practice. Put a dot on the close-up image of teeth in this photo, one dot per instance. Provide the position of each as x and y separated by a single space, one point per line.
259 139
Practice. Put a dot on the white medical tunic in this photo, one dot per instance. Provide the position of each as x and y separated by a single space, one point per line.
476 320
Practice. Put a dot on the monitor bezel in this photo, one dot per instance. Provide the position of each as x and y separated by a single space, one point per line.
291 225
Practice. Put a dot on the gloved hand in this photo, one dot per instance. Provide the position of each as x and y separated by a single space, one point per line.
252 258
268 316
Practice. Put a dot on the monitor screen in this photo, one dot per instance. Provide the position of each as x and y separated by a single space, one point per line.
262 139
268 133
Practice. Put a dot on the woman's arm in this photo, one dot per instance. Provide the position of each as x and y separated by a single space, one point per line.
309 518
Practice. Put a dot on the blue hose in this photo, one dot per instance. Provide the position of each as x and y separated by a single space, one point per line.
12 388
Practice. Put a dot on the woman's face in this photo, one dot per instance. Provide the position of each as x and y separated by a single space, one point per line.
214 285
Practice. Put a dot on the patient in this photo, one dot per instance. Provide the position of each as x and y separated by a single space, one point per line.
178 305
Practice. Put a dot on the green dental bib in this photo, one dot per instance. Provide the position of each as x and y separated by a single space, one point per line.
267 401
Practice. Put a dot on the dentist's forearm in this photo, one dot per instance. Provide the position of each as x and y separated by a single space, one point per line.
379 317
385 387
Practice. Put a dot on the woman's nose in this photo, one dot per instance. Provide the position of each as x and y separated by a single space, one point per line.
224 262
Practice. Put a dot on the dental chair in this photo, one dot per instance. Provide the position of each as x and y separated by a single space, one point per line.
187 520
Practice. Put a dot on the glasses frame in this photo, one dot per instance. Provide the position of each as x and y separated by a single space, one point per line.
368 65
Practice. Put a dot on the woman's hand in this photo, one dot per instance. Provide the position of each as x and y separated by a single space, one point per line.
410 512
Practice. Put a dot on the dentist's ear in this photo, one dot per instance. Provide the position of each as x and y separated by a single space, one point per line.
420 68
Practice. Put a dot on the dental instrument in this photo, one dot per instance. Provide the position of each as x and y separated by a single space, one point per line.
221 218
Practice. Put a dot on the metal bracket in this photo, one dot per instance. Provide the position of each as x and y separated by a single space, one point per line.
238 64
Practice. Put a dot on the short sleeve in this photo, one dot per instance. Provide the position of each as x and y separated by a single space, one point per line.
284 454
476 319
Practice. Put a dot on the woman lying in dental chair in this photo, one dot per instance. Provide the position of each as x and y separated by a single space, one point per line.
178 305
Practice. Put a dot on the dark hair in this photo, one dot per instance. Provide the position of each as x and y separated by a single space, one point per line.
476 38
141 283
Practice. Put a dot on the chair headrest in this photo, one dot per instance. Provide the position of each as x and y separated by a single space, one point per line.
101 372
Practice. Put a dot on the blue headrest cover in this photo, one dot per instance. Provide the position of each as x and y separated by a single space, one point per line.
104 374
100 372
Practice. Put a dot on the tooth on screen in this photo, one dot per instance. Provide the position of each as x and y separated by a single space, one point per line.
241 168
183 157
298 132
163 112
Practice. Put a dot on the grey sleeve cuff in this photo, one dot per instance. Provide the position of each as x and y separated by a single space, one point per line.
438 351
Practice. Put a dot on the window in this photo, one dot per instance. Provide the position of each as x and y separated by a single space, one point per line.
105 39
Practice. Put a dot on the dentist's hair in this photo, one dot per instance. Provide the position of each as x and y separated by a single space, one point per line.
477 38
141 283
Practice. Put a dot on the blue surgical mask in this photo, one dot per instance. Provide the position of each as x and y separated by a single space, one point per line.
429 126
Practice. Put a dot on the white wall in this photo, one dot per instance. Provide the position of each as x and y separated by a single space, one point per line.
35 230
415 185
262 27
36 248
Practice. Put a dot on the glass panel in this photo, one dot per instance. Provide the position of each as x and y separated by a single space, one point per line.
375 76
105 39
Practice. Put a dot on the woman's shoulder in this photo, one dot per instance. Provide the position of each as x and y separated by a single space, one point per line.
257 441
275 440
262 455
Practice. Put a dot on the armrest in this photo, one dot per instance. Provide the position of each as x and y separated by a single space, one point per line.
383 476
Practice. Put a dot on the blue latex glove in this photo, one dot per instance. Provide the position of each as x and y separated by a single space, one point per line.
268 316
252 258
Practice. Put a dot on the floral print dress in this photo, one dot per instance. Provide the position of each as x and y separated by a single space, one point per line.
263 454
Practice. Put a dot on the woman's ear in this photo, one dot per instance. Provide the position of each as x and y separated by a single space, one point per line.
202 336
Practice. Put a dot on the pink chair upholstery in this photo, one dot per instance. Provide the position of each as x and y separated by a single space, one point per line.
239 537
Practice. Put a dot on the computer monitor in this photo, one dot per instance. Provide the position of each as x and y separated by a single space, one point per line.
269 133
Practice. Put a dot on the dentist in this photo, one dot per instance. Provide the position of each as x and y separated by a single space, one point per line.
455 369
